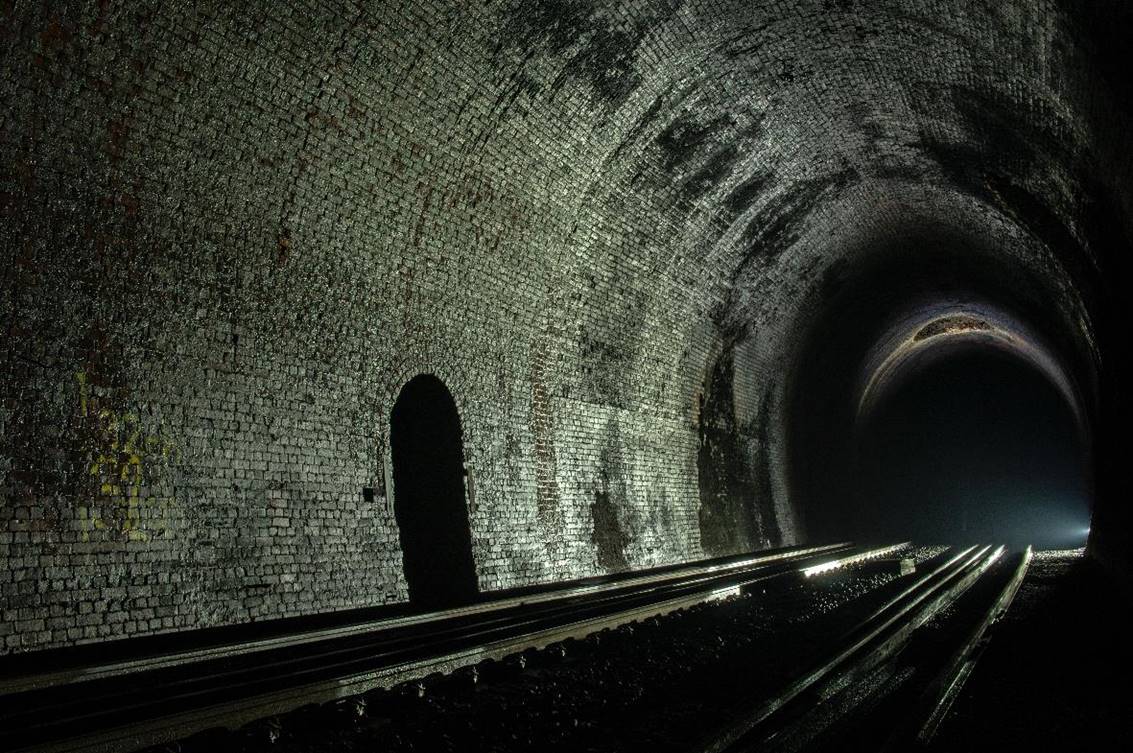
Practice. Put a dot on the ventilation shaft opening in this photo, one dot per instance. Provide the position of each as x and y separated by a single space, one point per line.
974 446
429 501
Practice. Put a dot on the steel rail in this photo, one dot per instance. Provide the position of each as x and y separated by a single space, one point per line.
474 626
936 700
36 680
167 699
875 638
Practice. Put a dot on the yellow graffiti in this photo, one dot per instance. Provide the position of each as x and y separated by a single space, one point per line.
123 458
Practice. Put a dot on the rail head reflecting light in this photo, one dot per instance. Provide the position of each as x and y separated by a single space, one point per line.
825 567
723 593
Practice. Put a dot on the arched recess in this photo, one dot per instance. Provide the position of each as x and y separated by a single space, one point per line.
429 502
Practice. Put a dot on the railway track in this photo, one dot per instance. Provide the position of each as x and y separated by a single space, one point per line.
886 684
125 703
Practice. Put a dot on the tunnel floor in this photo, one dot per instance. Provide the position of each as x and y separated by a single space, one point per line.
1056 673
1051 678
647 686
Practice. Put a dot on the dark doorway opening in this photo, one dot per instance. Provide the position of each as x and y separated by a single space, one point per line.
428 476
977 447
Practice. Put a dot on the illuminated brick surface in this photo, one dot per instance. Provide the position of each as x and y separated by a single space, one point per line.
231 234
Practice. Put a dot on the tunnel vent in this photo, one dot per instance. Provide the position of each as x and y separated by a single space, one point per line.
950 325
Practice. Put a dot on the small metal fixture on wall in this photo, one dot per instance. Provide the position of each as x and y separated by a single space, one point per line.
469 488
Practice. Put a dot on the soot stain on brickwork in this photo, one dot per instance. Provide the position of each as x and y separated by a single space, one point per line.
750 189
711 174
994 137
999 151
764 487
696 156
608 534
687 139
596 52
778 224
728 519
649 119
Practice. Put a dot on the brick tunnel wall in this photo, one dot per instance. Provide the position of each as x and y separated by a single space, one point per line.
231 235
230 239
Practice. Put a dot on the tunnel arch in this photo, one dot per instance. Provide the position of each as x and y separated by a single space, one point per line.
888 299
426 445
727 516
932 330
973 444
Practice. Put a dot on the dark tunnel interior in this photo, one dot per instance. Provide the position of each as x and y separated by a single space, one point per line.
968 439
976 446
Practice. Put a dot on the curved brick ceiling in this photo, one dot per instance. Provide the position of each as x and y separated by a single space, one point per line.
925 334
633 239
